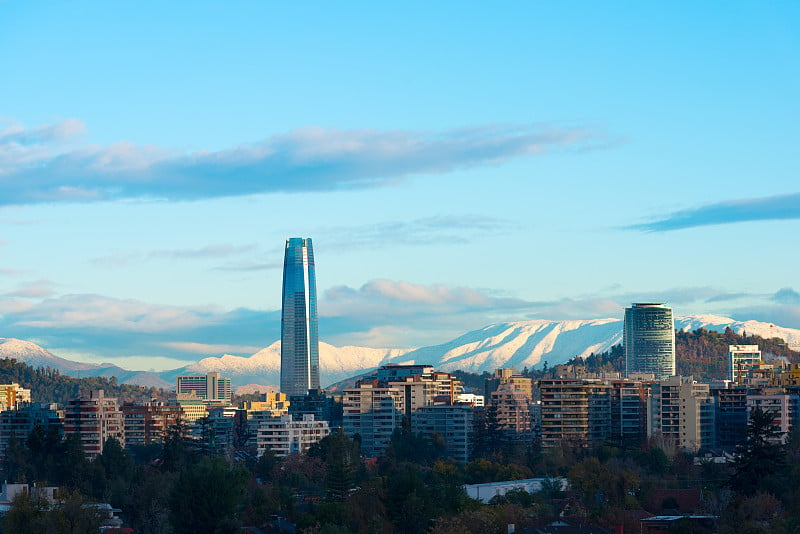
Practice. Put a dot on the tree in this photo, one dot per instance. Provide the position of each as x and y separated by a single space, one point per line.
761 460
206 497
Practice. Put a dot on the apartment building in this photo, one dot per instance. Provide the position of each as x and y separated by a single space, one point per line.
574 411
285 435
149 422
94 418
683 411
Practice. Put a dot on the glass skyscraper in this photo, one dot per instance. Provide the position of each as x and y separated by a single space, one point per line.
299 336
649 339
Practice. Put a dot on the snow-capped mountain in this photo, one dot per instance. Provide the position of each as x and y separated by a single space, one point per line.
36 356
519 344
264 367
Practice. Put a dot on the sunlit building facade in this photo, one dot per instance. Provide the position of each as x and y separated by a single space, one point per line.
649 339
299 329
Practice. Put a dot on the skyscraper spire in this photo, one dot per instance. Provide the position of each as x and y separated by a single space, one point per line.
299 331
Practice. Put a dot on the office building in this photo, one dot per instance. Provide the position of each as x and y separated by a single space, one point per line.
741 359
210 388
649 339
94 419
299 330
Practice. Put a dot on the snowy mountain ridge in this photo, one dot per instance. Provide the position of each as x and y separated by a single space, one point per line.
518 343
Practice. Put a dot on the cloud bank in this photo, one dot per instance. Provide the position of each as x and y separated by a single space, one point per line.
779 207
45 165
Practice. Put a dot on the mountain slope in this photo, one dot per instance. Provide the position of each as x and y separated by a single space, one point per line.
263 367
520 344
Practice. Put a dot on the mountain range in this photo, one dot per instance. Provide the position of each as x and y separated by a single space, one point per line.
519 344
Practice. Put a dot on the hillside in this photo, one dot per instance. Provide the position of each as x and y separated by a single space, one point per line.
49 385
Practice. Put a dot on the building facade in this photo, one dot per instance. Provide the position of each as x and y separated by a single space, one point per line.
741 359
210 387
149 422
574 412
682 411
299 325
94 419
285 435
20 422
649 340
13 395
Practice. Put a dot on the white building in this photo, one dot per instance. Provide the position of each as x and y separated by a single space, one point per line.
742 358
478 401
284 435
209 388
485 492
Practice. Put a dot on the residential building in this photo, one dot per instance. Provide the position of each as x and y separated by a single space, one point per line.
94 419
20 422
574 412
508 376
649 340
285 435
476 401
210 388
323 406
299 324
372 410
276 404
149 422
682 411
377 405
510 410
731 416
12 395
192 406
777 403
452 423
628 409
742 358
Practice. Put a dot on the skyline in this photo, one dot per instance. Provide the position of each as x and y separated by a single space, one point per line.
455 166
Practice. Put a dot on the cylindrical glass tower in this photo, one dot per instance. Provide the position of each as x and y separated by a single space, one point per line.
299 331
649 339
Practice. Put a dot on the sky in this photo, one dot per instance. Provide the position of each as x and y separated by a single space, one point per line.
457 164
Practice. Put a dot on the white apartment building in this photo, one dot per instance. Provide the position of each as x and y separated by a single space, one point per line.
742 358
285 436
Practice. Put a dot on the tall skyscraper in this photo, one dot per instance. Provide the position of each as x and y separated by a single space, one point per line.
299 336
649 339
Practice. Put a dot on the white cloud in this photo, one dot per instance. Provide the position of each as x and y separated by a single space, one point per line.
37 165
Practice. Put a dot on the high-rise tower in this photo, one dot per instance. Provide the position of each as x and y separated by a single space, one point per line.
299 337
649 339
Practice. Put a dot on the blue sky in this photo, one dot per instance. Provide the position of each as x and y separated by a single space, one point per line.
457 164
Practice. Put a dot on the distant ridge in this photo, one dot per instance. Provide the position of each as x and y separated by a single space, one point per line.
519 344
